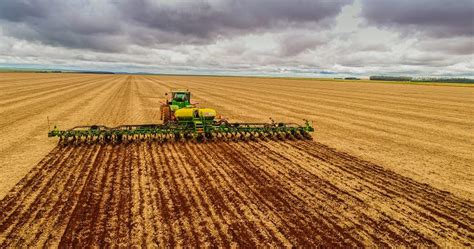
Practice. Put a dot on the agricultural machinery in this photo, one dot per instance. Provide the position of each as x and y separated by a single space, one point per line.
183 120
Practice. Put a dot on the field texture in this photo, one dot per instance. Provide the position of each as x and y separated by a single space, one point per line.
390 164
255 193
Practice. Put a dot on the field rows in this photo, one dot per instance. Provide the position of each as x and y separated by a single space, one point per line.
429 126
390 165
265 193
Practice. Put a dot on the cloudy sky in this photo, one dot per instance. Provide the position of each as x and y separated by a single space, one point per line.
252 37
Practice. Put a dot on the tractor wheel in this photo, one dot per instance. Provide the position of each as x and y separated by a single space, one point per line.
165 114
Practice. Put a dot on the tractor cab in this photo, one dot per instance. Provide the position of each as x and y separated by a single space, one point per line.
180 99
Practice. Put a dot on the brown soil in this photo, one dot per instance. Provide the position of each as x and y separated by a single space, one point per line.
429 126
274 193
400 173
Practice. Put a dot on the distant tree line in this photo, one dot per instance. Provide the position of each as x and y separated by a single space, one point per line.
54 71
391 78
449 80
96 72
422 79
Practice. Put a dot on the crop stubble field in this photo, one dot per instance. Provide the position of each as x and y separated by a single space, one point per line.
390 164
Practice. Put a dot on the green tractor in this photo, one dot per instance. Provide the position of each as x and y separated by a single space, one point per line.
179 99
183 121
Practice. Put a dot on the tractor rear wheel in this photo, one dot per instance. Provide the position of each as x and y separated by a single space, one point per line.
165 114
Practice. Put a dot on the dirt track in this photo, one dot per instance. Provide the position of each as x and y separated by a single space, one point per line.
297 192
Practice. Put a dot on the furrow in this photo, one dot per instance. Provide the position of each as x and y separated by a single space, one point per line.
288 206
161 198
140 203
209 233
111 211
85 213
151 226
195 222
383 235
26 184
170 205
393 186
36 209
45 227
31 192
244 220
183 207
65 213
403 186
276 224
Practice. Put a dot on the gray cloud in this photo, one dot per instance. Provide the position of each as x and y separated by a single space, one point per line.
112 25
205 19
79 24
293 44
249 36
449 46
436 18
18 11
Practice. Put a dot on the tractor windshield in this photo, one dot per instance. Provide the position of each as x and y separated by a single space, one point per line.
181 97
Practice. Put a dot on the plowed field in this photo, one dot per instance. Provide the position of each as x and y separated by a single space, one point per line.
390 164
265 193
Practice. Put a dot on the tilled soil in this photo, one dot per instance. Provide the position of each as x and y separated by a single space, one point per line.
423 132
273 193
